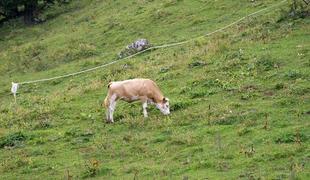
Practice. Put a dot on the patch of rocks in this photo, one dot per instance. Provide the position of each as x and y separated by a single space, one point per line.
137 46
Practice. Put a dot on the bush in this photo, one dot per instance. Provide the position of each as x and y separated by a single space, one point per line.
279 86
180 105
91 168
196 62
265 64
298 9
12 140
293 74
43 124
200 93
291 137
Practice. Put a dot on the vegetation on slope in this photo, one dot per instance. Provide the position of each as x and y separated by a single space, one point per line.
239 99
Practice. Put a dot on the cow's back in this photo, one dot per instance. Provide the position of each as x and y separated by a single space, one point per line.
134 87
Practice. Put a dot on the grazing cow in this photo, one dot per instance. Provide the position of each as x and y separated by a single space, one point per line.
131 90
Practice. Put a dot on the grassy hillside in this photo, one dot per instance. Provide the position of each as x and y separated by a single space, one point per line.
239 99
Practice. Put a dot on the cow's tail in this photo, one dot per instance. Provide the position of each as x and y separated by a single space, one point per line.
106 102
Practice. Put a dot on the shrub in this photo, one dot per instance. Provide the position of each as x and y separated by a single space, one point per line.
180 105
43 124
196 62
293 74
291 137
201 93
265 63
279 86
235 55
12 140
164 69
298 9
243 131
91 168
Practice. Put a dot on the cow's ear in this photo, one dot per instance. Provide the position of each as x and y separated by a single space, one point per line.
165 100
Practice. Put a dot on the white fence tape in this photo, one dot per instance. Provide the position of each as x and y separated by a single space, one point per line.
16 85
14 89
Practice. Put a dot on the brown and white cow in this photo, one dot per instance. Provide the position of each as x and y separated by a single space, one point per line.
131 90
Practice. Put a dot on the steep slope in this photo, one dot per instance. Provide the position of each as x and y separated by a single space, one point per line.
240 98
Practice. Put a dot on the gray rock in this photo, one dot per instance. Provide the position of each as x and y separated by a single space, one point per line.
139 45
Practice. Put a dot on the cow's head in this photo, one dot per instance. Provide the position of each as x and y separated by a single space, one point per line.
163 106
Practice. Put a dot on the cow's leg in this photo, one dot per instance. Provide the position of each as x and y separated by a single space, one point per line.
112 111
108 115
112 107
106 104
144 105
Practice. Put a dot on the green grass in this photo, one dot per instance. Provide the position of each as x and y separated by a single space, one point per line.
239 99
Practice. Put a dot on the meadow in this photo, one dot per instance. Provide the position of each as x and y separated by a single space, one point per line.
240 99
